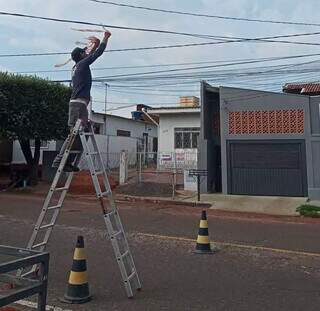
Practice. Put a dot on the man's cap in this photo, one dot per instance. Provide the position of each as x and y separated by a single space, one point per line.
75 54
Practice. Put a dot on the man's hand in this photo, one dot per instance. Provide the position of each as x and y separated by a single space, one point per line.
107 35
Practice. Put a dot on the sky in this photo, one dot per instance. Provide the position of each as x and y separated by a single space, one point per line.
19 35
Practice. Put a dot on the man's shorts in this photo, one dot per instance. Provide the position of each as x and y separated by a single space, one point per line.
77 110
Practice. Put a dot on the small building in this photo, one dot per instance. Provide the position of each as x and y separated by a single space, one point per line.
260 143
134 135
178 132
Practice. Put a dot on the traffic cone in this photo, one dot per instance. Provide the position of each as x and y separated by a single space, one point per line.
203 241
78 287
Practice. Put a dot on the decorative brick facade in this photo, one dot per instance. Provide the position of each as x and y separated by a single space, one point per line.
289 121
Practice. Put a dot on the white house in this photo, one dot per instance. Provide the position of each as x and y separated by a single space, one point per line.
115 133
178 132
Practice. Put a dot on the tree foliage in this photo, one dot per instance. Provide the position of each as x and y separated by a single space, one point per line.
32 108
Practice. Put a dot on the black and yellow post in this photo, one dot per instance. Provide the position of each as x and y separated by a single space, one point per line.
203 241
78 286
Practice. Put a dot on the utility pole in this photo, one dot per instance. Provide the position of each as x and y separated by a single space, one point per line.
105 108
105 121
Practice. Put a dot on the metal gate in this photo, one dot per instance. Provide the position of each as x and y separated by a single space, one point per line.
276 167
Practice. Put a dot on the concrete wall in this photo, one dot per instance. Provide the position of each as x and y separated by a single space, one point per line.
167 124
313 149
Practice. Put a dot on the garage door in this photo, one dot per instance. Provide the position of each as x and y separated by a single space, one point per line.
267 168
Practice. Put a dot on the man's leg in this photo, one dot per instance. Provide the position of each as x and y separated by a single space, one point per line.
82 114
74 114
58 158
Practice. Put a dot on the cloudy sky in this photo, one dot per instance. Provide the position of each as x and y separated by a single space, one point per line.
20 35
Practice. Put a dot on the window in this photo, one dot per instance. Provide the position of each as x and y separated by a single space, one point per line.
186 137
195 137
96 128
44 143
123 133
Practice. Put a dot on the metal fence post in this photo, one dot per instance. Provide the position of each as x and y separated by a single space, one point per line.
140 167
174 175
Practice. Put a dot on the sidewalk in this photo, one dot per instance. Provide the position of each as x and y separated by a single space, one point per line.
284 206
277 206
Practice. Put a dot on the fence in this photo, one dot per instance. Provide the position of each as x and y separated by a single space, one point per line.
159 174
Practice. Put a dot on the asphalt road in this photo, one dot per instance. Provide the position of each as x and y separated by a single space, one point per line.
238 277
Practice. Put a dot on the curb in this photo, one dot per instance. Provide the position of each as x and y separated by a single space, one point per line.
131 198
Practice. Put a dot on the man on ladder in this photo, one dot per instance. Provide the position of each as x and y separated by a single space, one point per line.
82 131
81 87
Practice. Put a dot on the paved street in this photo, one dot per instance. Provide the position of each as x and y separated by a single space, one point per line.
263 264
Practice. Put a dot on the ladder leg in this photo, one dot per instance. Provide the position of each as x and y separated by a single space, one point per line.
112 219
50 211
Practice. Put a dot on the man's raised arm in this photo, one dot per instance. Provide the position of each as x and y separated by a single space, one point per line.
96 52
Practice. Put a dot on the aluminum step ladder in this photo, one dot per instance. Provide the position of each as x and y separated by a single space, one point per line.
56 195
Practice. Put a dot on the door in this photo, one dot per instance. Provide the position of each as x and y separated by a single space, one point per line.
267 168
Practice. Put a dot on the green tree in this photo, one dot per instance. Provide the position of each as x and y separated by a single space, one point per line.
32 109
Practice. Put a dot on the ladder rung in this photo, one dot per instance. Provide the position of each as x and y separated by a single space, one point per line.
109 214
116 234
124 254
39 244
132 275
61 189
46 226
53 207
93 153
98 172
102 194
27 273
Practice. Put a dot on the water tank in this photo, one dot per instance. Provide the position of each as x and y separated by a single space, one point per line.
137 115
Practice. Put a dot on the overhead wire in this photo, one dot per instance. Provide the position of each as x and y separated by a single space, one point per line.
259 40
69 21
184 69
269 21
210 74
223 39
179 76
262 59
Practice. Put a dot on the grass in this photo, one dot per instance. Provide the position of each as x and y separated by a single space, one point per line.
309 211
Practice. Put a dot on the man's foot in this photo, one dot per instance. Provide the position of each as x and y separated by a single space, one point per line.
70 168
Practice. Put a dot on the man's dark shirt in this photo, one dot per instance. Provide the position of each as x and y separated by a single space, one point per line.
81 75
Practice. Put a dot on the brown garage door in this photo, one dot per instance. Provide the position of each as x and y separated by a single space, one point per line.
267 168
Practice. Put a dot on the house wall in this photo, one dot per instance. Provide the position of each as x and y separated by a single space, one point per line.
167 124
136 128
234 100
